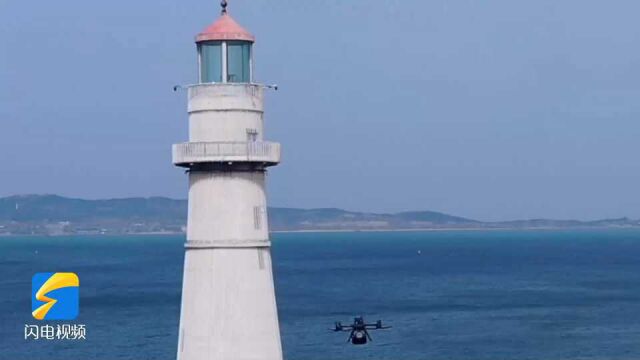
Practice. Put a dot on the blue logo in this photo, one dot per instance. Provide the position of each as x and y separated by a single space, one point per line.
55 296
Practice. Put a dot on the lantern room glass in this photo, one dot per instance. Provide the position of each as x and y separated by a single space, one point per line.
211 62
239 61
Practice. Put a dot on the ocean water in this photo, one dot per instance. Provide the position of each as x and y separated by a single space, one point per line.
448 295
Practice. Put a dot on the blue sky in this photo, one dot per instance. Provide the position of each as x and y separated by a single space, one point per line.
490 110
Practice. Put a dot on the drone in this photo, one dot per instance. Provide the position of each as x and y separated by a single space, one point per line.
358 329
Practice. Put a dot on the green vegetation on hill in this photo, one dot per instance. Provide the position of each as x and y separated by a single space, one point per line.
56 208
56 215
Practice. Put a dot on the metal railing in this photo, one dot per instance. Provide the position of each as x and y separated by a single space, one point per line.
253 151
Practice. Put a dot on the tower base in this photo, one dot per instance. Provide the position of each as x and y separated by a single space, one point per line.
228 306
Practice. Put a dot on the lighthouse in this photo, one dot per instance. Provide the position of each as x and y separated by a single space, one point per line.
228 306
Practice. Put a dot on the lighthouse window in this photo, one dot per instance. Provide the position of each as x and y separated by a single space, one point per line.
211 62
238 63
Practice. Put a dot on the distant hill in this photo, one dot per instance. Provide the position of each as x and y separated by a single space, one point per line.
56 215
338 219
57 208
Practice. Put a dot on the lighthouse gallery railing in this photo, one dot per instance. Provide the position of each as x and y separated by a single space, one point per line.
252 151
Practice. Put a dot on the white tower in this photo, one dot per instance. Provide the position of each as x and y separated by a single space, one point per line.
228 301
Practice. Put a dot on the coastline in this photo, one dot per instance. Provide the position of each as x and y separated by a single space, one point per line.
532 228
319 231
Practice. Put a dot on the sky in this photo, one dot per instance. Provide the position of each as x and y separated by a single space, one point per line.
492 110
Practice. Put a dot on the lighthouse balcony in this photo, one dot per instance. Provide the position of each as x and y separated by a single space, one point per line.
191 153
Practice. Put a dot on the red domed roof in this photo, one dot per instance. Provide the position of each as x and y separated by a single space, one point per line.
225 28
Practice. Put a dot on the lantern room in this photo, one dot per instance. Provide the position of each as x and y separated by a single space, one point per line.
225 52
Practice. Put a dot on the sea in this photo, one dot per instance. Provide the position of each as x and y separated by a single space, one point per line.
546 294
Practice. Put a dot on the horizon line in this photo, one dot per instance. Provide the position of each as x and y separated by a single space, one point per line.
326 208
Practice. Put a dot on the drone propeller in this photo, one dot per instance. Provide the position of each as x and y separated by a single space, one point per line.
340 327
377 326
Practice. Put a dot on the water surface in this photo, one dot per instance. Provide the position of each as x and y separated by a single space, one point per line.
449 295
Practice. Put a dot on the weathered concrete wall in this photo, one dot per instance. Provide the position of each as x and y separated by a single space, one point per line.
228 299
228 306
224 112
227 209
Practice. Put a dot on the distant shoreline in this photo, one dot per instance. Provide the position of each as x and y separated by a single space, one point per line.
457 229
320 231
52 215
